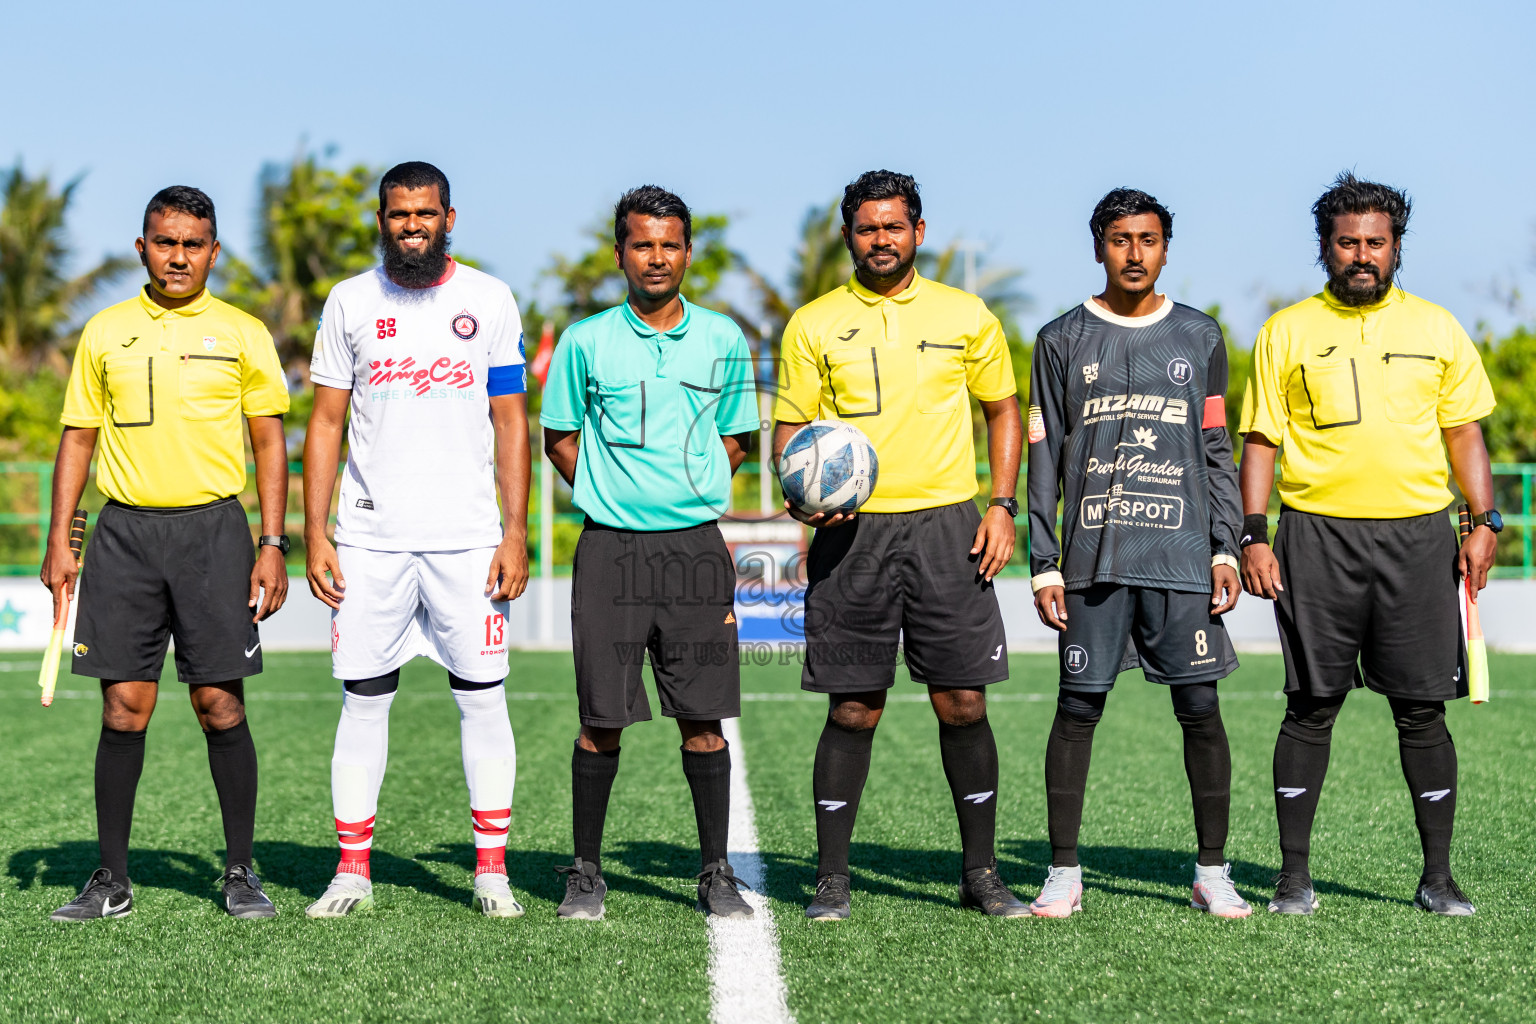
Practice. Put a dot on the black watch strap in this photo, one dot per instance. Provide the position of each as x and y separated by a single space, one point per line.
1491 519
1009 505
279 541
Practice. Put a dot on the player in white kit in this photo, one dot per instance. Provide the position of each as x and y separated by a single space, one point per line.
428 356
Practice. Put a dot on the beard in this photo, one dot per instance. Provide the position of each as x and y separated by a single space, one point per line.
414 268
1351 293
902 266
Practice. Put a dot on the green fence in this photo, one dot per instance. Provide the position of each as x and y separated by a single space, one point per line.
25 488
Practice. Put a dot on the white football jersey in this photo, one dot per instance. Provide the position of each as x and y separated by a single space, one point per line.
421 365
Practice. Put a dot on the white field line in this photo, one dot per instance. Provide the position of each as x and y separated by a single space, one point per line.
744 980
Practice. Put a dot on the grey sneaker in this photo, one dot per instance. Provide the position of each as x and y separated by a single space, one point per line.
243 895
717 893
983 889
584 892
1443 896
101 897
833 901
1293 894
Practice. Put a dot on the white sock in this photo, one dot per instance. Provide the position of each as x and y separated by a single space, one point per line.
357 772
490 769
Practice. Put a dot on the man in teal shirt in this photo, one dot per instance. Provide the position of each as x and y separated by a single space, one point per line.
647 413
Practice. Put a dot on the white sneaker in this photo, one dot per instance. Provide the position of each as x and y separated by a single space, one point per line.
494 896
1062 894
347 894
1214 893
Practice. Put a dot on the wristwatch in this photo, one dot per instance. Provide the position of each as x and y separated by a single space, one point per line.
1490 519
280 542
1009 505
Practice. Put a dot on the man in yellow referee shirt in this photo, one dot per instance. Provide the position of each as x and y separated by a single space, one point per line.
898 356
1357 387
163 381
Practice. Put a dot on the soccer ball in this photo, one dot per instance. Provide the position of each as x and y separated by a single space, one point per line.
828 466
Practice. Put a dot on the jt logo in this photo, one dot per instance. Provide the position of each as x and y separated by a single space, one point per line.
849 336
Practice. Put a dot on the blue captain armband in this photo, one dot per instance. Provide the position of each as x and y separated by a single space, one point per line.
507 380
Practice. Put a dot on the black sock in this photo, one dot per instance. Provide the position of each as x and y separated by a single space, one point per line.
1429 765
232 760
119 762
1300 765
592 774
1067 753
837 782
709 779
969 753
1208 763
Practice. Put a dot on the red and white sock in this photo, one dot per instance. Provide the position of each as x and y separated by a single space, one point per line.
357 772
490 769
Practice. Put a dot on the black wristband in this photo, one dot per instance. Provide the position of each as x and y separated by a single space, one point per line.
1255 530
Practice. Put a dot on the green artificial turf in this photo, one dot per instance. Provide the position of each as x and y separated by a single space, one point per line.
909 953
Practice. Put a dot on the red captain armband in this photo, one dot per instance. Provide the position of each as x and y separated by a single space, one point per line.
1215 413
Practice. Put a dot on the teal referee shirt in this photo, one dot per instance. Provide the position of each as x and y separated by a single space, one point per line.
651 407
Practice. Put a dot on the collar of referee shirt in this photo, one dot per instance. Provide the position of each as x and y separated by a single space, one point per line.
870 298
645 330
154 309
1394 295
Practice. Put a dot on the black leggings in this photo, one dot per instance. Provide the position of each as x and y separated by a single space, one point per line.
389 682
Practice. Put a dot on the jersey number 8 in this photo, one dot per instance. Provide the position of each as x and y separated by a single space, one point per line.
1201 647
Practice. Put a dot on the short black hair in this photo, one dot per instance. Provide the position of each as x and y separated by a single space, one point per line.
1348 194
414 174
873 186
1127 202
650 201
182 199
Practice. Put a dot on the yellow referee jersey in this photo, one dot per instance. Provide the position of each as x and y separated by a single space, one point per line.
1356 398
898 368
168 390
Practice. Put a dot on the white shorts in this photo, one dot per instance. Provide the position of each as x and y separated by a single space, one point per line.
400 604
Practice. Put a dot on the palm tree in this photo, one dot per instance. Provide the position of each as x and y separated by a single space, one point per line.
315 228
38 301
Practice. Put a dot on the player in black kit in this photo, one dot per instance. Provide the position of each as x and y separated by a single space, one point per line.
1127 417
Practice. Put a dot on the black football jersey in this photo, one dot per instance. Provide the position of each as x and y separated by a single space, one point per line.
1127 422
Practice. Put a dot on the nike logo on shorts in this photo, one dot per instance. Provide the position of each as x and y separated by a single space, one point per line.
252 650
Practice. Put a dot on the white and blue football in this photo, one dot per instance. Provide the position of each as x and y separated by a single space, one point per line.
828 466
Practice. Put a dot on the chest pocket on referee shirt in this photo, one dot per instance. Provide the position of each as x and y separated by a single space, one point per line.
696 417
620 412
210 387
853 377
940 377
1331 393
131 390
1411 384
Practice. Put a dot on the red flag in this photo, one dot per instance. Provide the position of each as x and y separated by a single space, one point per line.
540 365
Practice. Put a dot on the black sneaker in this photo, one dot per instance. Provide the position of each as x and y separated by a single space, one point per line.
584 892
1293 894
1442 895
101 897
833 901
243 897
717 892
983 889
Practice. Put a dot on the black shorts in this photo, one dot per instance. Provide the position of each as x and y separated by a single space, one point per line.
156 573
1171 634
669 593
906 575
1370 601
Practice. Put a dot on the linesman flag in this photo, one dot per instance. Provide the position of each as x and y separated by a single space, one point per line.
540 365
1472 626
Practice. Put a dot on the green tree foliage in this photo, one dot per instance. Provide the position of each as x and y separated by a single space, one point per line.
821 263
1510 430
315 228
39 301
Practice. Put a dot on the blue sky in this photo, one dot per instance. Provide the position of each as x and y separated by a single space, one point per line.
1014 117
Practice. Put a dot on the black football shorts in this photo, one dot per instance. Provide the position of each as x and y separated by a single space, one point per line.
666 594
1171 634
1370 601
901 575
155 573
